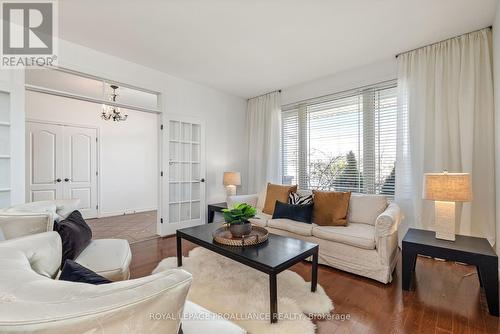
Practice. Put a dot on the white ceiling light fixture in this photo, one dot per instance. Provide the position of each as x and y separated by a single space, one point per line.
112 112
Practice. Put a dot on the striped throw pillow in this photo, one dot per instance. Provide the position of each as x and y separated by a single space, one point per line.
297 199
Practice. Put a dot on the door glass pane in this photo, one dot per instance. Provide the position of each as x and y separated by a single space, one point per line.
195 150
195 167
185 191
195 191
174 192
195 210
184 176
186 132
173 213
174 130
195 134
173 171
185 156
185 211
174 151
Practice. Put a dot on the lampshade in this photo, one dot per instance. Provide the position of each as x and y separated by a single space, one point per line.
449 187
232 179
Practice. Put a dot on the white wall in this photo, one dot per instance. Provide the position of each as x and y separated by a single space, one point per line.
496 79
355 78
128 150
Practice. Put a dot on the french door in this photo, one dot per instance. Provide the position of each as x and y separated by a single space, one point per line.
62 164
184 178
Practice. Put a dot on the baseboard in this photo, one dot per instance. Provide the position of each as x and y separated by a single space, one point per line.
169 229
125 212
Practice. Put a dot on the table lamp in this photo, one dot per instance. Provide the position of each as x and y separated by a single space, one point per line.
446 189
231 180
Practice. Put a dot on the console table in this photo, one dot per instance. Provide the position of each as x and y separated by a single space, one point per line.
213 208
470 250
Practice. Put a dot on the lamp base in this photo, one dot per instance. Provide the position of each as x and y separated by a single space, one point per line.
445 220
230 190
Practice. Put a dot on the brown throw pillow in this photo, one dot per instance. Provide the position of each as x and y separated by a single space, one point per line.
276 192
330 208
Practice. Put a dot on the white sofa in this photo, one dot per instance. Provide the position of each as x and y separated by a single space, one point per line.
32 301
108 257
367 246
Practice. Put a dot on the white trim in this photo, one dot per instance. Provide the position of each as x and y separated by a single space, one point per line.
161 134
171 228
126 212
97 78
98 153
43 90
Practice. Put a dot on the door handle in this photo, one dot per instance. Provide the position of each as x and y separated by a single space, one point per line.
202 180
58 180
66 180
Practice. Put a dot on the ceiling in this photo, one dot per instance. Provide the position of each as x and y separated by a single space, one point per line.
248 48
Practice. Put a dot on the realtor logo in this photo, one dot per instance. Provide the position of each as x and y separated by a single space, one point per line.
28 30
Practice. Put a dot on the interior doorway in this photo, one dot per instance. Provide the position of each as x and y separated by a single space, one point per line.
74 151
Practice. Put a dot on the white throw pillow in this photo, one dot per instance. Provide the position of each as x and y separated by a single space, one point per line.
366 208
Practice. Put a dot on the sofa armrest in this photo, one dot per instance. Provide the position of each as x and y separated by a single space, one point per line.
388 221
151 304
43 251
248 199
66 206
386 234
18 224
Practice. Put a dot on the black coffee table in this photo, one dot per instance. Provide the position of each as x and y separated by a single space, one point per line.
271 257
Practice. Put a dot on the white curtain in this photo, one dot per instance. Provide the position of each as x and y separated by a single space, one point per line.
263 135
445 121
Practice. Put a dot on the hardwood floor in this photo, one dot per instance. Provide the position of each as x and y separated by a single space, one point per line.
132 227
446 296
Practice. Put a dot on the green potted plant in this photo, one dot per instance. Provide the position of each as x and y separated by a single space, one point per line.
237 219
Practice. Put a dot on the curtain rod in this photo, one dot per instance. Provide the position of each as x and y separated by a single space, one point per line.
279 91
318 99
399 54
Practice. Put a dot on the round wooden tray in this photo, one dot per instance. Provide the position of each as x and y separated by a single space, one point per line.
224 237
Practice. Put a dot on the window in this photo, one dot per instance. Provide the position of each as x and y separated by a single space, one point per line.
343 142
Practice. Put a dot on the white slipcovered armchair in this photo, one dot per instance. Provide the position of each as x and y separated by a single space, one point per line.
31 301
108 257
367 246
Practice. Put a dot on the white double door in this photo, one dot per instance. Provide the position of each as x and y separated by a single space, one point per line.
62 164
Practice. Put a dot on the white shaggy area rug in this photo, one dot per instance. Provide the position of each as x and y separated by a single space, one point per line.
224 286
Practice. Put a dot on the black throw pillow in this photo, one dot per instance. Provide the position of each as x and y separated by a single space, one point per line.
75 235
75 272
301 213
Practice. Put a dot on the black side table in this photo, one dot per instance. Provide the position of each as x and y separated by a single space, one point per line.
470 250
213 208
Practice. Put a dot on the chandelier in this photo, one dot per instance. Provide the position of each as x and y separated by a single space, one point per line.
112 112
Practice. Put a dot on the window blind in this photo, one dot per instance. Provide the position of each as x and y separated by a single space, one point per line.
342 142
